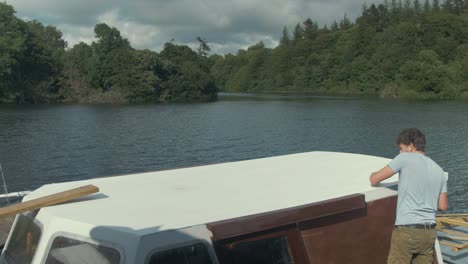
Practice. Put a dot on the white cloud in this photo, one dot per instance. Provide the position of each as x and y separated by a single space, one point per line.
139 35
227 25
75 34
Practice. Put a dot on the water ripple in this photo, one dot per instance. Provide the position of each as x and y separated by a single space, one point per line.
43 144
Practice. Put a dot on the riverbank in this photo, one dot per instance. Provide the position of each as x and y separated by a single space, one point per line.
309 94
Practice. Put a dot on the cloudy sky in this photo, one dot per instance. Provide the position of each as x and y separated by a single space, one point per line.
228 25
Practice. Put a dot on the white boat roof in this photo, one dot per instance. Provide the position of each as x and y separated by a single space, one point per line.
175 199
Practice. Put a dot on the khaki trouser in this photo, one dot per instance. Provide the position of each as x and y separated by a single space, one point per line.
411 245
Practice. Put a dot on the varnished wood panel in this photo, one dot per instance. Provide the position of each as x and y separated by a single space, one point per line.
360 236
266 221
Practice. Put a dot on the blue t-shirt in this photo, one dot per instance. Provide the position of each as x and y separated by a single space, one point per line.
421 182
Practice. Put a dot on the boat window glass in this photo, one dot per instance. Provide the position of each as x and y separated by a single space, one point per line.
67 250
192 254
264 251
23 241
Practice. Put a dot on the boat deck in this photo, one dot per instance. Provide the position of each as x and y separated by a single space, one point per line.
205 194
452 236
243 192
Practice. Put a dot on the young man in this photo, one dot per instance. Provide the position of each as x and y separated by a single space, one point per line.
422 190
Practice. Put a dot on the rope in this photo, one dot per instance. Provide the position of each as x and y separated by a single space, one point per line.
4 184
454 237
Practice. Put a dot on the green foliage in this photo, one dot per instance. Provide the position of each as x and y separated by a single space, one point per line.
435 5
401 48
310 29
427 7
36 68
184 75
408 49
425 75
30 59
285 38
12 46
298 34
345 23
204 48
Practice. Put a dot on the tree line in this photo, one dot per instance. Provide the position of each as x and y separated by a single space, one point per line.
37 67
398 49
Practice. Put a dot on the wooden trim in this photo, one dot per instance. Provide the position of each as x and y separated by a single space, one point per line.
452 215
281 233
297 247
264 221
453 221
333 219
455 247
455 233
48 200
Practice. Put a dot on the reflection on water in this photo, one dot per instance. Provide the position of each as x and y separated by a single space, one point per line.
44 144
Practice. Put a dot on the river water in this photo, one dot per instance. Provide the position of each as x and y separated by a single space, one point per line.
55 143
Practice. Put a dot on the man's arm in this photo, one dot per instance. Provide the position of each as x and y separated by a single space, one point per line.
378 176
443 202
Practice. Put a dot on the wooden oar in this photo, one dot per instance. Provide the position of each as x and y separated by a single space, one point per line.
48 200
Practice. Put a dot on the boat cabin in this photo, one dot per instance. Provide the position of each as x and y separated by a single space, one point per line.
315 207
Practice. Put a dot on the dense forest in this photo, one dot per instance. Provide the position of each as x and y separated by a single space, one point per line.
398 49
37 67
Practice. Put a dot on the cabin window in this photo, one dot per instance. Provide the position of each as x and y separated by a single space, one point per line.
23 241
264 251
67 251
192 254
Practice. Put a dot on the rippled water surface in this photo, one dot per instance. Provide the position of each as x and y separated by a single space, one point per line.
44 144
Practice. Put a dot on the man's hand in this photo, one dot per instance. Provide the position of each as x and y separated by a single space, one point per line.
378 176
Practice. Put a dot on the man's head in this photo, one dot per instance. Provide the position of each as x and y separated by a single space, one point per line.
411 140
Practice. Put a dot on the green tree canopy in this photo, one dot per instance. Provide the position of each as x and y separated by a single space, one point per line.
388 51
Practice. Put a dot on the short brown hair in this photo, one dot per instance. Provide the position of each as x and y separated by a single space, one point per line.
412 136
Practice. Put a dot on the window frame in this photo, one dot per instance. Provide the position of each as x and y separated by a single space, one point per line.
80 238
292 234
208 246
32 217
279 234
